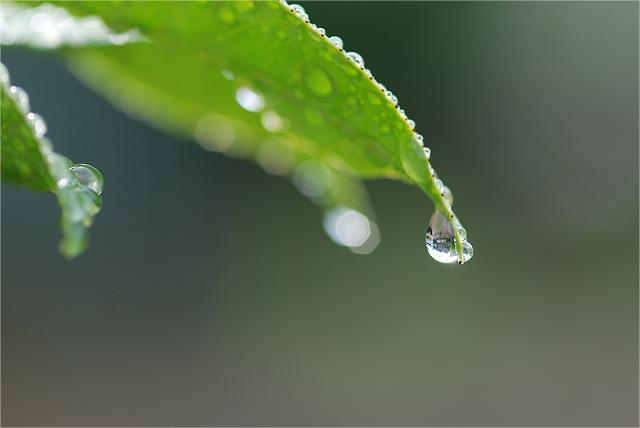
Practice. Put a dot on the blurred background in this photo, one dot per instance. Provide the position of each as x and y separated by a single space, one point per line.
210 294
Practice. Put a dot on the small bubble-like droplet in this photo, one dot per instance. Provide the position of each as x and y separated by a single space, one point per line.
448 196
21 98
249 99
411 123
427 152
439 184
336 41
467 251
440 239
419 138
228 74
318 82
299 10
38 124
88 176
356 57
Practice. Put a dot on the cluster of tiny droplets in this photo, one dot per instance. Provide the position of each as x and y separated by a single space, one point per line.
60 166
336 41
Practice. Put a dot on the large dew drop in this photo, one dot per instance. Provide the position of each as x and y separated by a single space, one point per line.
88 176
441 242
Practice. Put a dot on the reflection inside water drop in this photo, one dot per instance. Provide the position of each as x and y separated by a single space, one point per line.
441 241
88 176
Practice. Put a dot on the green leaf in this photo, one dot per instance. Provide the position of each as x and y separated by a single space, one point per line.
305 99
28 160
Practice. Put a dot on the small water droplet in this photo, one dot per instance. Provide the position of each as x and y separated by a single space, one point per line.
321 31
299 10
440 239
336 41
228 74
427 152
273 122
391 97
318 82
4 75
357 58
21 98
284 2
439 184
38 124
411 123
249 99
87 176
467 251
448 196
419 138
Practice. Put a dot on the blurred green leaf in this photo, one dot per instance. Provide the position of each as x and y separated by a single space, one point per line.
28 160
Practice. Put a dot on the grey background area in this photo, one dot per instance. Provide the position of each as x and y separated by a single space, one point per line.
211 296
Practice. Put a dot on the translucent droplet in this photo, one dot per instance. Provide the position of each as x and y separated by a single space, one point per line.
321 31
228 74
411 123
318 82
462 232
249 99
4 75
299 10
419 138
439 184
440 239
427 152
273 122
391 97
336 41
21 98
467 251
87 176
356 57
448 196
312 178
38 124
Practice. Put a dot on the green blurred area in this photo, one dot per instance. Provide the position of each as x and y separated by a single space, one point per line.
211 296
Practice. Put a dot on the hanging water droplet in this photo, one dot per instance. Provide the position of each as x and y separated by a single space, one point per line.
336 41
88 176
38 124
448 196
440 239
21 98
411 123
419 138
4 75
249 99
357 58
427 152
321 31
299 10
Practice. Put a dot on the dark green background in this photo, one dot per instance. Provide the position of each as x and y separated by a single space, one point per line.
211 296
